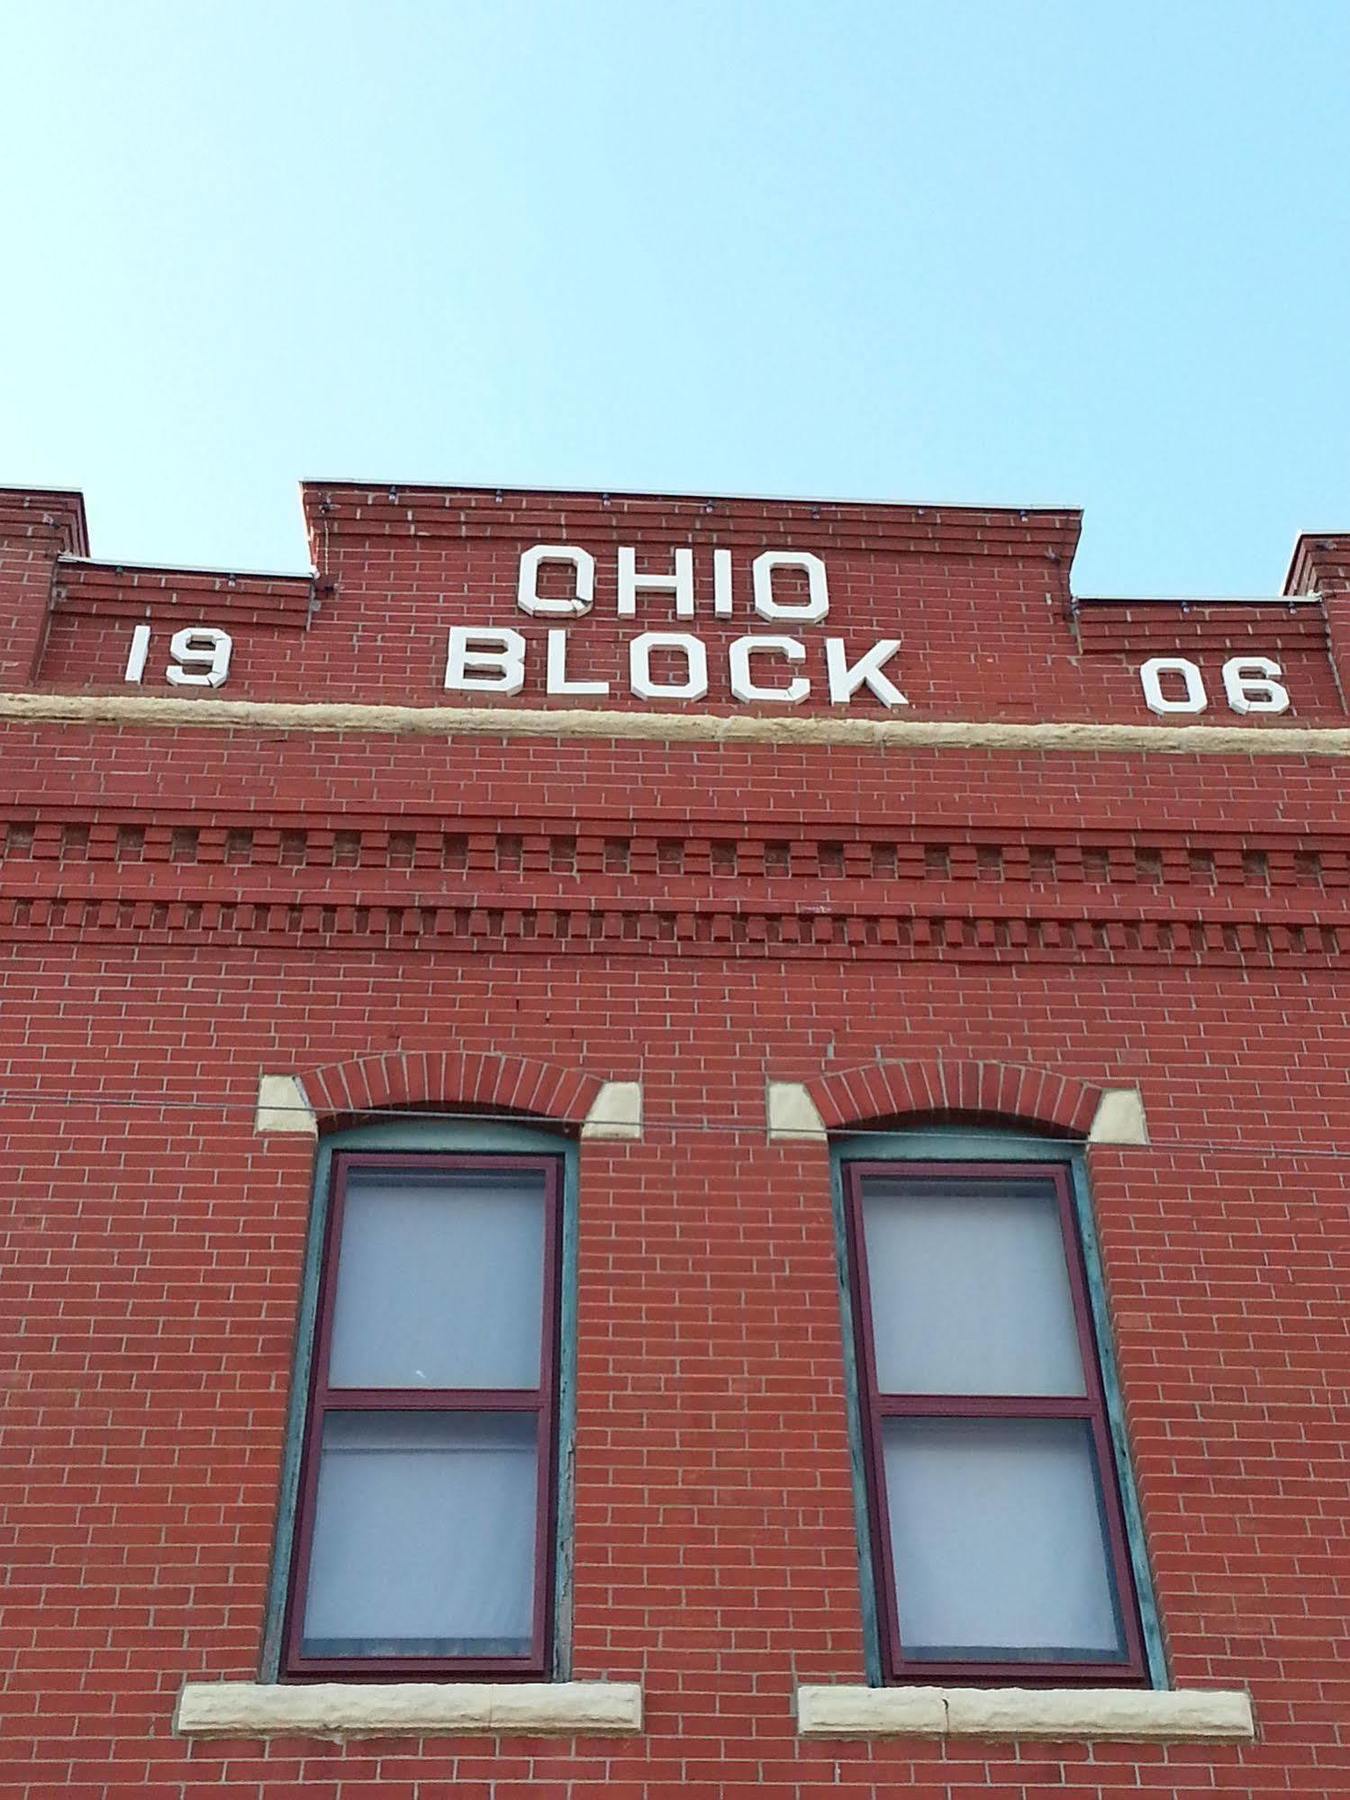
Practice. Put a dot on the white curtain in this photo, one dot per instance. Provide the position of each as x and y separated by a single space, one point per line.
970 1289
424 1530
997 1538
440 1281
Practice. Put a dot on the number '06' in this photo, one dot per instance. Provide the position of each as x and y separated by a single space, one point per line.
201 656
1251 684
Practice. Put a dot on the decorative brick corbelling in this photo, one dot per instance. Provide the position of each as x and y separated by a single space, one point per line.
395 858
883 1090
424 1078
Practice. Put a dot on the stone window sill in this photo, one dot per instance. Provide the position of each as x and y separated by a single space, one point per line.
343 1709
1185 1715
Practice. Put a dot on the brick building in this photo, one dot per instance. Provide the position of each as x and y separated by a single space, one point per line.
670 1146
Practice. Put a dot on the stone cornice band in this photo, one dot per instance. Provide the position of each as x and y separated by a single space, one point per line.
151 713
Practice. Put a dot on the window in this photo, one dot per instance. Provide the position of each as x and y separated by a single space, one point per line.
424 1530
998 1540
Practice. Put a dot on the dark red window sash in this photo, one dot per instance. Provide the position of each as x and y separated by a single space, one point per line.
1089 1406
542 1401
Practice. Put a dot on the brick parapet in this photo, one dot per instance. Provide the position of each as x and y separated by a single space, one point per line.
369 514
978 599
36 527
1321 565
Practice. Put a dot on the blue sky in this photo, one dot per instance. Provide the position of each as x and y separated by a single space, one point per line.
969 251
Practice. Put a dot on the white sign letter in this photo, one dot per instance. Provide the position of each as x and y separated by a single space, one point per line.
846 678
529 600
695 684
497 657
681 583
558 682
743 685
1252 685
202 656
722 584
140 649
1156 667
806 612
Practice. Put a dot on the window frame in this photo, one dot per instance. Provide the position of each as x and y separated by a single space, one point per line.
944 1151
427 1144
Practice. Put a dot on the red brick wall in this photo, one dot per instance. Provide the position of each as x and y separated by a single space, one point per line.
181 910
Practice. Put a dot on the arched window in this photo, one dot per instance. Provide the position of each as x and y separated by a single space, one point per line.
998 1523
424 1527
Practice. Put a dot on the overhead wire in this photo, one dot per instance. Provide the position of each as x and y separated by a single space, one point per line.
758 1127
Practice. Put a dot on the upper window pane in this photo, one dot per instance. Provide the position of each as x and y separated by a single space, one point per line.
969 1286
440 1279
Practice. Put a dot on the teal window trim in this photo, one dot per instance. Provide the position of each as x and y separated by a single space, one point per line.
429 1134
956 1145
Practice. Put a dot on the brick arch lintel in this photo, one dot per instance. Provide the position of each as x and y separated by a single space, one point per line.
395 1080
1013 1091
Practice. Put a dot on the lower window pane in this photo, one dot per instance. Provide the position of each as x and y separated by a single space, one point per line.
998 1543
424 1536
